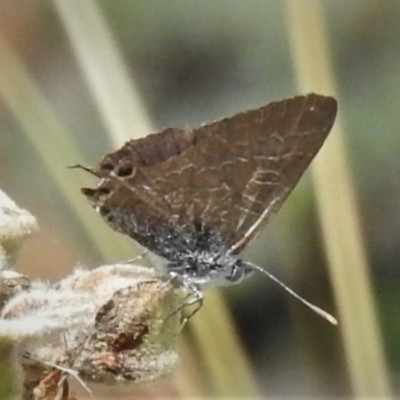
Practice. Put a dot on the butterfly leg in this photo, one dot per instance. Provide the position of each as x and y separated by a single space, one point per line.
196 299
138 257
195 296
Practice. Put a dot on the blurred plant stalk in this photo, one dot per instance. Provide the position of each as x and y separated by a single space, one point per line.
338 209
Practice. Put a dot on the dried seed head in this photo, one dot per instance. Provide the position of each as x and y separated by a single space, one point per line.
134 335
113 324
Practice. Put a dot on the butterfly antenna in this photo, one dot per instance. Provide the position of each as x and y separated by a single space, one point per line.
87 169
330 318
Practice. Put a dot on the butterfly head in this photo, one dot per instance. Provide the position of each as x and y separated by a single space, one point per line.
207 269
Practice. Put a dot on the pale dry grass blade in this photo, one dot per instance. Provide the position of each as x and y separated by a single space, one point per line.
223 355
189 377
338 209
112 88
52 141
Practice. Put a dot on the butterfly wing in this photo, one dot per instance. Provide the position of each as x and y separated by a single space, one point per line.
227 177
127 197
272 147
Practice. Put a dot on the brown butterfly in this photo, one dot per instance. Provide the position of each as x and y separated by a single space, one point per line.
197 196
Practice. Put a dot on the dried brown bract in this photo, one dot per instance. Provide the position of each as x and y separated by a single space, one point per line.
134 335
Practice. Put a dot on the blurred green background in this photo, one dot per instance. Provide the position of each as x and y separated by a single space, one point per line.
193 62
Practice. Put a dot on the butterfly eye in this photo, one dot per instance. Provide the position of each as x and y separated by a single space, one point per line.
236 274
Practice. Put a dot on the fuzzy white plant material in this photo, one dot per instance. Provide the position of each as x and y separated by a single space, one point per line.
15 224
117 323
